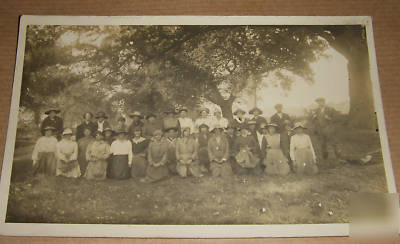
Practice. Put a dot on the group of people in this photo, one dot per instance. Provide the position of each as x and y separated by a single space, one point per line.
153 148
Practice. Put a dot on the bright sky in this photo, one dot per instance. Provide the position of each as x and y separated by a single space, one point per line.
330 82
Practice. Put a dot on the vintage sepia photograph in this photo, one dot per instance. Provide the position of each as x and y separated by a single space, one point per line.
194 124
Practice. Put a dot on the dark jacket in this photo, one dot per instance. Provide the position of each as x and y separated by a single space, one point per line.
81 128
57 123
280 121
218 149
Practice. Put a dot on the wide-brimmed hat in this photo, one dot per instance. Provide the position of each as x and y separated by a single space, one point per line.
157 132
121 118
299 125
171 128
101 115
239 110
255 109
56 110
67 131
183 109
320 99
204 126
207 110
49 128
135 114
272 125
252 122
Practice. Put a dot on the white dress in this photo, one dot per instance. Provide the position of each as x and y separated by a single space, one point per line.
302 154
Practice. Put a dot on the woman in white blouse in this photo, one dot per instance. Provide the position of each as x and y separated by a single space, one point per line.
43 155
302 151
67 156
184 120
121 150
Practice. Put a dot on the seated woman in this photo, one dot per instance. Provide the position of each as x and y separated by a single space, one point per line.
157 158
202 142
186 155
218 153
139 149
302 151
67 156
121 150
275 161
97 154
245 156
44 153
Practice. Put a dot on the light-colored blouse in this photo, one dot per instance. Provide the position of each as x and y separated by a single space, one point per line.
67 150
44 144
300 141
122 147
98 150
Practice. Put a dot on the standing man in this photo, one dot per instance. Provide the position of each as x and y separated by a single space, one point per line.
101 121
86 124
256 112
323 118
52 120
281 119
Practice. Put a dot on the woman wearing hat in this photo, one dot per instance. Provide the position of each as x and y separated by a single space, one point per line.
86 124
302 151
139 149
185 120
67 156
245 148
97 154
202 142
83 143
218 153
186 155
151 125
101 121
121 150
203 119
275 161
53 120
256 112
239 121
157 158
136 117
108 135
43 155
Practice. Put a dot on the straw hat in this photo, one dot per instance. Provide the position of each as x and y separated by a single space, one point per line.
239 110
255 109
56 110
67 131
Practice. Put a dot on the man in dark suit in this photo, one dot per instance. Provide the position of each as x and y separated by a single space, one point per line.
280 118
102 123
53 120
323 119
87 123
256 112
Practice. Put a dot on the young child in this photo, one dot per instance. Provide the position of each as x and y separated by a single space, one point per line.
97 154
83 143
302 151
186 155
218 153
275 162
67 156
139 149
157 158
121 150
245 146
43 155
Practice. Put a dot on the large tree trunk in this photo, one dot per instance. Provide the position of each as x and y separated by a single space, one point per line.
226 108
351 42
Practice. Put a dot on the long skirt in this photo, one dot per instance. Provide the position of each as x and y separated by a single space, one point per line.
96 170
119 167
157 173
68 169
47 164
304 162
203 158
193 168
276 163
221 169
246 159
139 166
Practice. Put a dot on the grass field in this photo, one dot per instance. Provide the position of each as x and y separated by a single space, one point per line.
248 199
